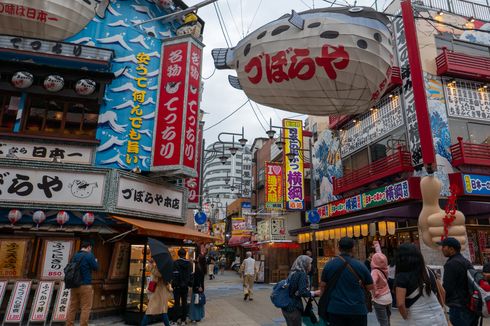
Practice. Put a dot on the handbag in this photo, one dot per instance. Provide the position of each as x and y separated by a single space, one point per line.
367 294
309 313
152 285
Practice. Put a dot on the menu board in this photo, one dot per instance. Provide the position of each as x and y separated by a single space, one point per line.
60 311
18 302
42 301
12 257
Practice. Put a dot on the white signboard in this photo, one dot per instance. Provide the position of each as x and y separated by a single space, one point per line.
29 185
45 152
149 197
18 301
467 100
3 287
60 311
41 302
56 258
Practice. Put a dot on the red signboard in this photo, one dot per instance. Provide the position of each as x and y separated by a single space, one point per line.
176 120
192 184
274 185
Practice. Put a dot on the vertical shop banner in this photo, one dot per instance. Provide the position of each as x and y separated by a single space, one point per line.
120 261
193 185
274 185
41 301
60 311
56 256
294 172
12 257
18 302
219 232
176 121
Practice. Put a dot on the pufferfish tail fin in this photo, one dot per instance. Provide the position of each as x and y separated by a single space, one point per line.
220 55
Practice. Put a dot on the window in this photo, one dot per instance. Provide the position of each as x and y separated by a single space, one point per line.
8 111
360 159
55 116
458 129
379 149
479 133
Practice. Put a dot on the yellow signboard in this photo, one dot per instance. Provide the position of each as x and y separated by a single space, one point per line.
294 171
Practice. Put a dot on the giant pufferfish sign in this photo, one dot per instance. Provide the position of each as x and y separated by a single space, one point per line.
339 62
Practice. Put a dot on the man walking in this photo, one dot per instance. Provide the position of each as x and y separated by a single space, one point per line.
248 271
455 283
341 280
181 281
82 297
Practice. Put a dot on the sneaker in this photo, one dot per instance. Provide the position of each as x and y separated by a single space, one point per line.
245 297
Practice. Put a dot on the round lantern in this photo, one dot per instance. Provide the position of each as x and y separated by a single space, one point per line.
382 228
372 229
62 217
357 231
85 87
88 219
54 83
339 63
338 233
320 236
391 226
343 232
38 217
350 231
331 234
14 216
22 79
364 230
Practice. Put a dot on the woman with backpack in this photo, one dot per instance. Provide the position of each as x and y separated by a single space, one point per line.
419 294
158 303
298 288
381 292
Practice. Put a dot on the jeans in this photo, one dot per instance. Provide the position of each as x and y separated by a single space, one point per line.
293 318
81 299
347 320
180 297
165 320
383 313
462 317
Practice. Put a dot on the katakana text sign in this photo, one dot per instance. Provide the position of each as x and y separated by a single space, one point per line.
293 169
274 185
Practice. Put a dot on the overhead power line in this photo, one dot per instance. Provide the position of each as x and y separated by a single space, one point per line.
229 115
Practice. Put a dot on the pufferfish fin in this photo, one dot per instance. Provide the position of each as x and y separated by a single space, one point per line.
234 82
219 56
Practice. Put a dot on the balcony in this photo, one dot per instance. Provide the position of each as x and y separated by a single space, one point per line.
470 154
463 65
398 162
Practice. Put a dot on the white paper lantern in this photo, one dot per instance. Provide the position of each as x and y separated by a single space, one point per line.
14 216
54 83
339 63
372 229
85 87
62 217
22 79
38 217
88 219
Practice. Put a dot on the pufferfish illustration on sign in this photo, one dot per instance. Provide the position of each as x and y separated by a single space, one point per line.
319 62
48 19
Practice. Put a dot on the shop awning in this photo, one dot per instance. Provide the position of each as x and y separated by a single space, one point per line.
160 229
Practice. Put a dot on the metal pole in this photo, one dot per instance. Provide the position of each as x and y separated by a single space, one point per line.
314 247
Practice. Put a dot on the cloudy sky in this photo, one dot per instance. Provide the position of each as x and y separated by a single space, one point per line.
219 98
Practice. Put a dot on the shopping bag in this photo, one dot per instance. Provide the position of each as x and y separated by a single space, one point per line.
152 285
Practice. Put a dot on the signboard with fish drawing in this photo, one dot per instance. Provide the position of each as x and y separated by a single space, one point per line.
177 114
337 61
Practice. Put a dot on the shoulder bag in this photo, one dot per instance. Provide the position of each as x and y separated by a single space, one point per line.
367 294
325 298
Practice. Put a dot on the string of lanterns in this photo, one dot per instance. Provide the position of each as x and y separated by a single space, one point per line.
384 228
39 216
53 83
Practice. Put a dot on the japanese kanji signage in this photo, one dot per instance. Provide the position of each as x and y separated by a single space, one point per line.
193 184
42 301
30 185
159 200
238 226
120 261
45 152
274 185
56 256
293 169
60 310
12 257
476 184
176 121
466 100
18 302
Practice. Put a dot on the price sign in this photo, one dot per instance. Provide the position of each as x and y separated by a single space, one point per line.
42 301
18 302
60 311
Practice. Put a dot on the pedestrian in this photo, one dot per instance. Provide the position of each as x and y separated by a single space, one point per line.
391 279
248 271
418 293
158 300
222 264
83 296
313 273
181 281
196 312
342 281
381 293
211 267
299 287
456 283
216 267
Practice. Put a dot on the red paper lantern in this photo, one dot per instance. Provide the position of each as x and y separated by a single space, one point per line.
38 217
88 218
62 217
14 216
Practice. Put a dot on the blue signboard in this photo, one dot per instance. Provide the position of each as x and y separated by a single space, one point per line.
126 117
313 216
246 205
200 218
476 184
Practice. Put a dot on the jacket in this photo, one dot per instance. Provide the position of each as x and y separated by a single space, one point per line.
158 303
455 281
87 265
379 273
182 273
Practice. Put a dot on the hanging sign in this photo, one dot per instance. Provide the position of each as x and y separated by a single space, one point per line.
41 301
239 226
18 301
219 233
56 257
293 169
274 185
60 311
120 261
193 184
12 257
176 120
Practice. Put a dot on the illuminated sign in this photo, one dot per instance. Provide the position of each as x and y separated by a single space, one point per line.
294 172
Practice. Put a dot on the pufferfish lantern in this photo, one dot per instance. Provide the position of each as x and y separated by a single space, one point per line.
319 62
22 79
85 86
54 83
48 19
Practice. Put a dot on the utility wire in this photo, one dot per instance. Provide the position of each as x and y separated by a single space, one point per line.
233 17
241 17
260 111
206 78
255 113
221 26
229 115
253 18
305 4
224 23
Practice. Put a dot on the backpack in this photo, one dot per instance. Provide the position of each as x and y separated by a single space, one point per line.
178 276
280 294
73 274
479 298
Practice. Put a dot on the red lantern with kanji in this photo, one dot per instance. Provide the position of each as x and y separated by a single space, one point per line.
62 217
14 216
38 217
88 219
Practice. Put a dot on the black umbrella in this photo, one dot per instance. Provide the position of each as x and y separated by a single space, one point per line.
163 258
